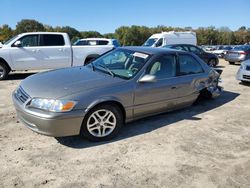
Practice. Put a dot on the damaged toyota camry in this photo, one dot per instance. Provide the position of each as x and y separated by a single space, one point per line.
123 85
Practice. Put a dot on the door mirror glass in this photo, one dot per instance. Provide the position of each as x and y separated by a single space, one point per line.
147 78
18 43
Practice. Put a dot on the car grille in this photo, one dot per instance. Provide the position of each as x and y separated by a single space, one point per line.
248 68
21 95
246 77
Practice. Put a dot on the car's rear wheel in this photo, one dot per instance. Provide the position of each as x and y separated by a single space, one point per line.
212 62
4 71
231 63
102 123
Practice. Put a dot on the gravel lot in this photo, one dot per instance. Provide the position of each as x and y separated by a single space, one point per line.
206 145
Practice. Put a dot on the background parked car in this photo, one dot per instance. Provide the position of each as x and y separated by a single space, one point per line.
221 51
97 41
238 54
209 58
243 73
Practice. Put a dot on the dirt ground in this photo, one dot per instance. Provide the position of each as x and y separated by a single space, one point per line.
206 145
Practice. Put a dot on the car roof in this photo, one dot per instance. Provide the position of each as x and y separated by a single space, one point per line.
95 39
149 50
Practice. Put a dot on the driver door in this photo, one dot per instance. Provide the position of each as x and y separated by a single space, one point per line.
158 96
26 56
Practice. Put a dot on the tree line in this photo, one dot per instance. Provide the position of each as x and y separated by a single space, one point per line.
134 35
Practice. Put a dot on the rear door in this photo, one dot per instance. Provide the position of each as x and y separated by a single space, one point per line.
54 52
190 77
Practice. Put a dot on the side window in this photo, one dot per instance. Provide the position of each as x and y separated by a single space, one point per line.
82 43
164 67
178 48
52 40
103 42
185 48
159 42
92 42
194 50
189 65
29 41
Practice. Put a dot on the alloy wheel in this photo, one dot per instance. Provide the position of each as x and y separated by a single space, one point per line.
101 123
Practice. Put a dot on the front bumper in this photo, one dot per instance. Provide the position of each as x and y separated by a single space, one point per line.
243 75
50 124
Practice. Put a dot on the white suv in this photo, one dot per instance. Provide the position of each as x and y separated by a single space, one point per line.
97 41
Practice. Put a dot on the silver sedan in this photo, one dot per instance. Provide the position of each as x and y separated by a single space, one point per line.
121 86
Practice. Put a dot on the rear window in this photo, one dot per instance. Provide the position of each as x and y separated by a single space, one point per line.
103 42
52 40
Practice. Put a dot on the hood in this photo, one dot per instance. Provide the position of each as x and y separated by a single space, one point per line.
62 82
247 62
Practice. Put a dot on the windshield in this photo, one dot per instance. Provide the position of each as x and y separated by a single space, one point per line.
8 41
150 42
121 63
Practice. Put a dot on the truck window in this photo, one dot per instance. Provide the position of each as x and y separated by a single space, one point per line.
159 42
29 40
103 42
52 40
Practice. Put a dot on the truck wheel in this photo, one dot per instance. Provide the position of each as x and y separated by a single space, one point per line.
4 71
231 63
102 123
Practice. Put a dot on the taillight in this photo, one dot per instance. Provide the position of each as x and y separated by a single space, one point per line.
244 53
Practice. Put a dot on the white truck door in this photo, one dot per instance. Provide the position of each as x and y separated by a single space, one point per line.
25 55
54 51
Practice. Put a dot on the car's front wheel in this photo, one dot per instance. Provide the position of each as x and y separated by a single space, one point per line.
4 71
102 123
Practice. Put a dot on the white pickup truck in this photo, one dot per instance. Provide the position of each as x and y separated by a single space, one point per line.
44 50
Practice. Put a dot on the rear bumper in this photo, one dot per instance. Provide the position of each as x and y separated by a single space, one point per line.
235 59
54 124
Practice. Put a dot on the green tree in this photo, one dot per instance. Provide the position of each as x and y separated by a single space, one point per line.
5 33
90 34
27 25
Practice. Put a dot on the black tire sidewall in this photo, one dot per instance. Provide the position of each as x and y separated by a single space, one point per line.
119 123
5 71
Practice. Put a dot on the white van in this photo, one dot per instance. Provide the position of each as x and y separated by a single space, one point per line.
172 37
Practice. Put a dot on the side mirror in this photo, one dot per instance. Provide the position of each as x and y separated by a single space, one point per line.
18 43
147 79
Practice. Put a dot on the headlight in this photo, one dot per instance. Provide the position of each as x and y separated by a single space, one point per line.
53 105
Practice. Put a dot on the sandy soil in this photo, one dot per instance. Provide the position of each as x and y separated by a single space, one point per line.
206 145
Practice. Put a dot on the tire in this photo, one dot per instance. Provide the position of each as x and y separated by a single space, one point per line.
212 62
102 123
231 63
4 71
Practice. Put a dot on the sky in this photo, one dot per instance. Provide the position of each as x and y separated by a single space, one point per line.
105 16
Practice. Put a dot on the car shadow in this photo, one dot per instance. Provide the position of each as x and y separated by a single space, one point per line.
19 76
244 83
152 123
